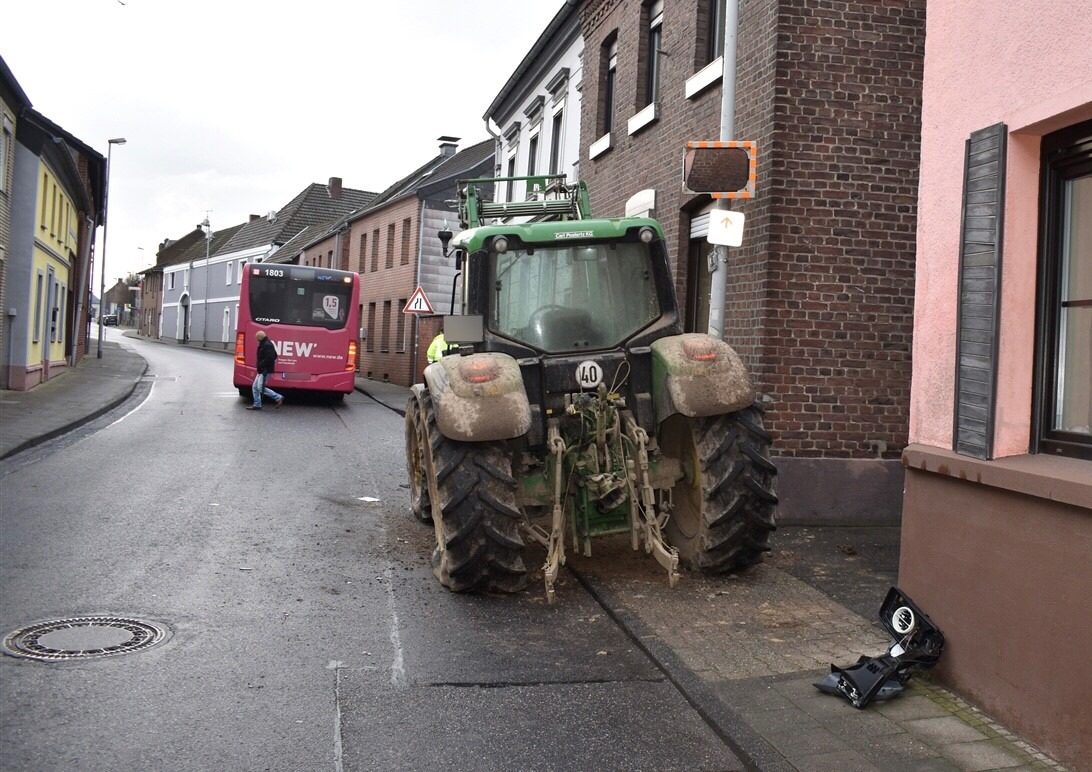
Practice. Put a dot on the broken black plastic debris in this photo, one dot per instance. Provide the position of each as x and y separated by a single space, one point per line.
917 645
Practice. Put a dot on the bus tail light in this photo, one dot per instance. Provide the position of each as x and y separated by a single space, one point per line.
475 370
350 362
240 348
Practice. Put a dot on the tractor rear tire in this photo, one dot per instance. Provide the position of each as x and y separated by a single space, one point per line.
724 505
479 546
418 460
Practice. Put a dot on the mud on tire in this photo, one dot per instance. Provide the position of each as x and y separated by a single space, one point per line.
417 461
479 546
724 505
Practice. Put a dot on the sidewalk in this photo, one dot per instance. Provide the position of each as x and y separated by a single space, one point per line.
66 401
744 650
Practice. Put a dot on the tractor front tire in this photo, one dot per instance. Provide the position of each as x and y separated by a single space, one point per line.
724 505
479 546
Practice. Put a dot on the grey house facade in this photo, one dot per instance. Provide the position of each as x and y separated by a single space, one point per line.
200 295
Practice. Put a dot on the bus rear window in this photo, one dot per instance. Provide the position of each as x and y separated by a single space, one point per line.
304 302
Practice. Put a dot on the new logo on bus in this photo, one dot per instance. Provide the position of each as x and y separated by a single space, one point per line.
293 348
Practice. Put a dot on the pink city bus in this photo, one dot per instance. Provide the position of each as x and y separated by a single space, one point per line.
312 315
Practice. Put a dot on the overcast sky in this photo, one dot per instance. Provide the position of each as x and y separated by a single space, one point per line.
235 106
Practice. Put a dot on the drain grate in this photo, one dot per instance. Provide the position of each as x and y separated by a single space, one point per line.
83 638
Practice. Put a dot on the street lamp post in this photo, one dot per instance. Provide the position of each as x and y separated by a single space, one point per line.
105 224
207 228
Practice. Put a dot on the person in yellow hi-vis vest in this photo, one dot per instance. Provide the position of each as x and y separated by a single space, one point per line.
437 348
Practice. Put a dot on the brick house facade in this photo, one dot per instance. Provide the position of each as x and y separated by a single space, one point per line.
381 244
394 246
820 296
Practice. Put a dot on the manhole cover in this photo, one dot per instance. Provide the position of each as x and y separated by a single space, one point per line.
82 638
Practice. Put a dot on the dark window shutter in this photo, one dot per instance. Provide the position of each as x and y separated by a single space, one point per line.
979 291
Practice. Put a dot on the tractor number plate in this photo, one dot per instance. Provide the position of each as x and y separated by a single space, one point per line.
589 374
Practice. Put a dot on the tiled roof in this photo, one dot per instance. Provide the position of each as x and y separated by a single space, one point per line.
291 248
192 246
460 166
439 171
312 206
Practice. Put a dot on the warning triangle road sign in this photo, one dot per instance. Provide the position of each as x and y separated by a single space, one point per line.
418 303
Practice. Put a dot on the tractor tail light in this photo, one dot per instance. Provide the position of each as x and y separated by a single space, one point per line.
475 370
700 349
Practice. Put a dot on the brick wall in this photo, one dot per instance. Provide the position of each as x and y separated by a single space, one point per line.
820 297
385 284
842 221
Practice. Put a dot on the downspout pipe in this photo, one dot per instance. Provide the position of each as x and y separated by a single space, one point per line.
719 259
82 288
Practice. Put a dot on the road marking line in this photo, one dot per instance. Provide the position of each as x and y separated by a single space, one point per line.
398 667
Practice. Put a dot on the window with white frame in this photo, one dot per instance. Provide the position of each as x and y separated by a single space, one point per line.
532 155
511 140
714 30
1064 334
654 40
38 301
610 78
511 172
557 128
5 143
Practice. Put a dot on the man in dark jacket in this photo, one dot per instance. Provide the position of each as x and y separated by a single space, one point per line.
267 363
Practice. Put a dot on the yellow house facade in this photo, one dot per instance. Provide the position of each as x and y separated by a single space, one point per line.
56 245
56 196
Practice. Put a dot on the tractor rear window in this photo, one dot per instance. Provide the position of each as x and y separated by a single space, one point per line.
573 297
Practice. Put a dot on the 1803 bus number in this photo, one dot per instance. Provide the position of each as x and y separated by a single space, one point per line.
588 374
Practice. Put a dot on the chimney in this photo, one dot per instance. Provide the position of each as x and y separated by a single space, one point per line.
448 146
334 188
254 217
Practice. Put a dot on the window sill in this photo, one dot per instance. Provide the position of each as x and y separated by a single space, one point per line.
599 147
643 118
705 77
1065 480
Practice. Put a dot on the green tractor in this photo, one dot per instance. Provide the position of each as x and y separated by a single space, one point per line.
574 406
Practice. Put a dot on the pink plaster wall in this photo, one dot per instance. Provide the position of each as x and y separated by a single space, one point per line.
1029 65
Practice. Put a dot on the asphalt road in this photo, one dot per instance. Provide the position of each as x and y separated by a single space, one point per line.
305 628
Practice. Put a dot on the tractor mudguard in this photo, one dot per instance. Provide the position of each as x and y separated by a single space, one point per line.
479 398
698 375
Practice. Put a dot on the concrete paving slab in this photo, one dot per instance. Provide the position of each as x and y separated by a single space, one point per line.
900 751
843 761
943 730
909 706
864 723
982 755
795 734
